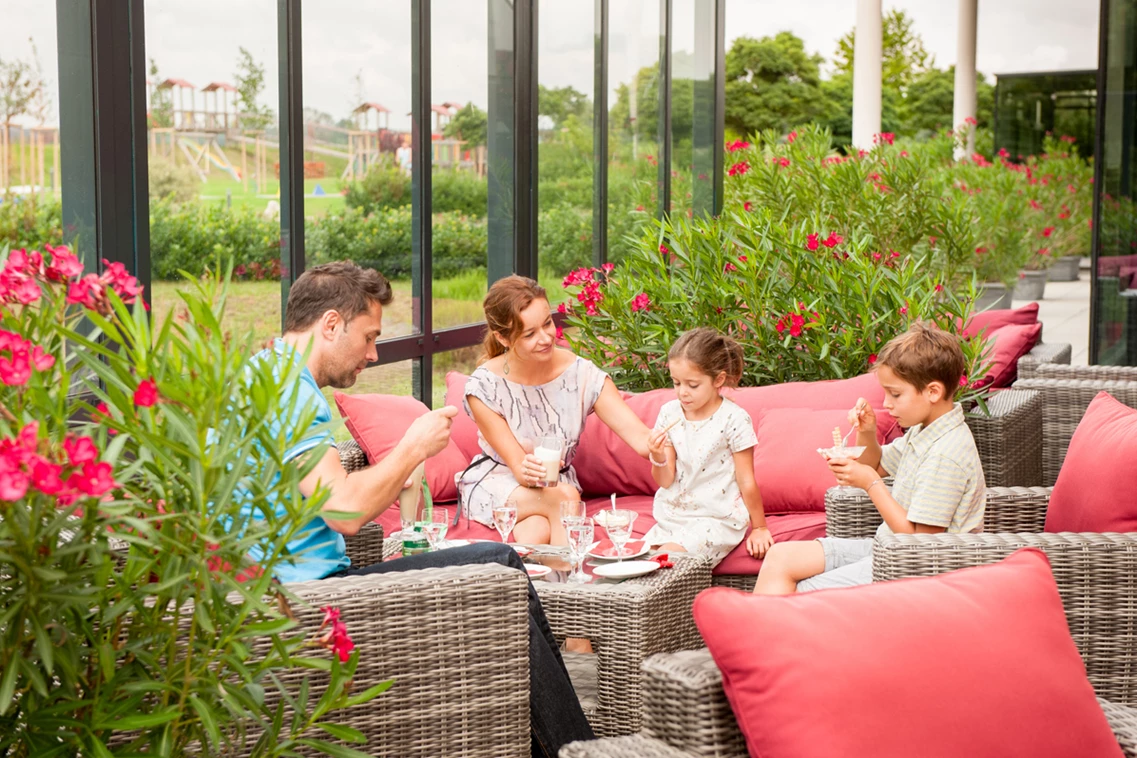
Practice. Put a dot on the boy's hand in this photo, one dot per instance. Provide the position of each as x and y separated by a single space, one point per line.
851 473
863 417
759 542
657 444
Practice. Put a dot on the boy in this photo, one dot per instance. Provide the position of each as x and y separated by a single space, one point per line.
939 483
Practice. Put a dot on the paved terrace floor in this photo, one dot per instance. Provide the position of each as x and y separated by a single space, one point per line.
1064 311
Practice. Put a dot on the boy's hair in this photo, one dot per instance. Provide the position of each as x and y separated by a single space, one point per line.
925 354
342 286
711 352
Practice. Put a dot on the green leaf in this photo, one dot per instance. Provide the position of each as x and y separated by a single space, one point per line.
341 732
207 720
328 748
8 686
140 721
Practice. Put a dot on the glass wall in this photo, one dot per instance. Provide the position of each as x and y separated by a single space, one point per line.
1030 106
1113 339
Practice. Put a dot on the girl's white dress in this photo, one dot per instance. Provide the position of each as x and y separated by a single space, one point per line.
703 509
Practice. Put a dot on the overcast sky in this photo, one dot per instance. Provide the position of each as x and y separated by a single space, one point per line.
198 40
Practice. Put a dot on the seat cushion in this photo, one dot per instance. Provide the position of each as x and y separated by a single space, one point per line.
791 474
977 662
378 422
1096 490
1009 344
988 321
789 526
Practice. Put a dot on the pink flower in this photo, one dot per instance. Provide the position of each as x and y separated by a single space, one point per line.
22 290
80 450
146 395
1071 188
939 288
562 308
904 310
742 258
64 264
1036 205
886 137
796 323
970 121
87 292
737 145
876 256
791 137
833 240
42 361
963 381
93 479
729 267
1048 231
641 302
13 485
663 249
872 359
812 242
16 367
903 153
783 162
739 168
331 615
560 333
1004 153
639 207
45 476
607 268
747 206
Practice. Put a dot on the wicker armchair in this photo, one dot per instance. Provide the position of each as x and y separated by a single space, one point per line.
1052 353
1008 438
1096 574
1066 392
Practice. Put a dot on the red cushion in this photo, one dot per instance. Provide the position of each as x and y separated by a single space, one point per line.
1096 490
1011 343
464 432
791 475
378 422
790 526
977 663
989 321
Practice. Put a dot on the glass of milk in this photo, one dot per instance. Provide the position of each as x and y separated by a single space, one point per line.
549 450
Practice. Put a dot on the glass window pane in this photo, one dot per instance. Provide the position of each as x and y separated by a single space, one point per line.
460 95
213 152
357 144
566 52
633 120
683 70
463 360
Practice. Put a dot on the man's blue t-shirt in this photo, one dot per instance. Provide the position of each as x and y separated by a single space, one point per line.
319 550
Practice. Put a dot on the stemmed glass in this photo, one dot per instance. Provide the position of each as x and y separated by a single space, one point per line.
579 535
572 512
437 527
840 451
619 525
504 518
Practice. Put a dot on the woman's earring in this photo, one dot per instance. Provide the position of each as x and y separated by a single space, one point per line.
505 368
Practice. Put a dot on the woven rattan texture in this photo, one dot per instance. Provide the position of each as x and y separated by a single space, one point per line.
456 642
1054 352
688 708
744 582
1123 721
1009 509
1064 402
351 455
1008 438
1096 576
1098 373
632 746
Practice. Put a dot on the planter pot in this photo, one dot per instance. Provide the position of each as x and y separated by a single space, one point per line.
1065 269
1030 286
992 295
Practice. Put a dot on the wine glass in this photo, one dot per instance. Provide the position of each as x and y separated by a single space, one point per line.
504 518
579 535
619 525
572 512
435 529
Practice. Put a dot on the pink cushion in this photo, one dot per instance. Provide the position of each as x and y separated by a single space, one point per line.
1011 343
378 422
790 526
1096 490
989 321
464 432
977 663
791 475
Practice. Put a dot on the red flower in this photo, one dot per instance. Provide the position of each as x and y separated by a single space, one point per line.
833 240
876 256
41 361
872 359
1048 231
796 323
737 145
791 137
904 310
812 242
331 615
1004 153
886 137
1071 188
80 450
970 121
903 153
939 288
607 268
92 479
562 308
663 249
641 302
45 476
747 206
1036 205
729 267
64 264
560 333
87 292
932 241
739 168
780 326
639 207
336 639
783 162
963 381
147 394
742 258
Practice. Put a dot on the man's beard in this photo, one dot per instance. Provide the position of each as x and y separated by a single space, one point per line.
343 381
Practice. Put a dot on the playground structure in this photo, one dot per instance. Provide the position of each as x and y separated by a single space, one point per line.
24 159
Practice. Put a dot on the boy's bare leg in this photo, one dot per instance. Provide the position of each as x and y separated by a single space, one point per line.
788 563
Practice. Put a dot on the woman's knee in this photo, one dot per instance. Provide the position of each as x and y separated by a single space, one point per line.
534 530
565 491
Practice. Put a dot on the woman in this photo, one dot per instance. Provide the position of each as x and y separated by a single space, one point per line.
527 388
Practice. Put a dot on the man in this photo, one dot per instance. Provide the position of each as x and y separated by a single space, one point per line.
334 315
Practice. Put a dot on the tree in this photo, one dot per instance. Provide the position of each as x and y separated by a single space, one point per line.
903 54
20 86
558 103
468 124
250 78
929 101
839 117
161 102
772 83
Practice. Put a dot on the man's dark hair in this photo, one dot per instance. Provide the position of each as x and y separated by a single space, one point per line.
342 286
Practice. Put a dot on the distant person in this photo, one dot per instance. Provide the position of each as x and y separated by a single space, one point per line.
403 156
704 465
939 484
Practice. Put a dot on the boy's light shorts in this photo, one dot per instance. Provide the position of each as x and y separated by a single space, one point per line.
848 563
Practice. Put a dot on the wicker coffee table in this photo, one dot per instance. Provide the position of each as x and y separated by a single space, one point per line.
626 622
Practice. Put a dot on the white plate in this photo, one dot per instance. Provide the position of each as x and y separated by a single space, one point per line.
625 569
605 545
536 570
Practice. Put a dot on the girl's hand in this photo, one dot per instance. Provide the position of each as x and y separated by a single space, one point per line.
759 542
863 416
657 444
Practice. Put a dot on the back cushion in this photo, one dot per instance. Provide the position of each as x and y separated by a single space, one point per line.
1096 490
792 475
988 321
977 662
464 432
1010 343
378 422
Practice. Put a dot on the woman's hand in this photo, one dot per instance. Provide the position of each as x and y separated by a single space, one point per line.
759 542
532 471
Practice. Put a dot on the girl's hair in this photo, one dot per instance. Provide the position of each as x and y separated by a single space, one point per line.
503 305
711 352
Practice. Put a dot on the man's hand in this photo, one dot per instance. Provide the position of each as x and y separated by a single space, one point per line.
863 417
852 473
429 433
759 542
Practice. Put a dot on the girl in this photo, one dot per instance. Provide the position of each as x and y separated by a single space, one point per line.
704 466
525 389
